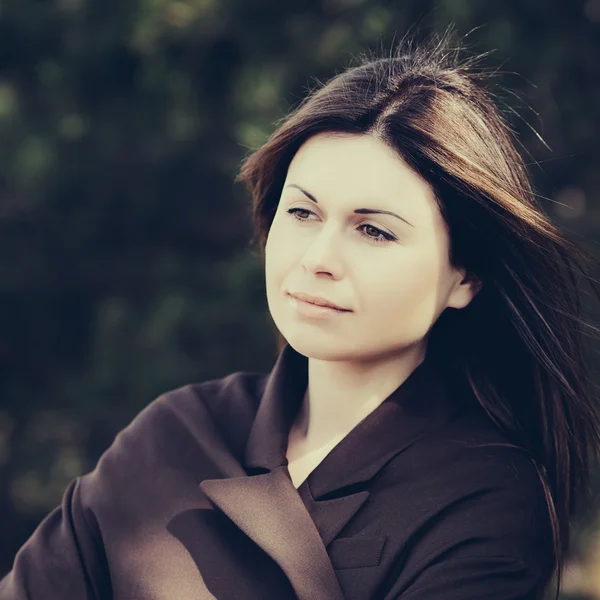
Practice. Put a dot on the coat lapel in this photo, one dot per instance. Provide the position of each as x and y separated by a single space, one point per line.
268 509
266 506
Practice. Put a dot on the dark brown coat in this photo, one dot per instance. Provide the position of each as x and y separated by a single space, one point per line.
193 501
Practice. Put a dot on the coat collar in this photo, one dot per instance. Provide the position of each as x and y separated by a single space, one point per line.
267 506
416 407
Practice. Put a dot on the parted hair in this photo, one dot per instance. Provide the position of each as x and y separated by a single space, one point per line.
520 345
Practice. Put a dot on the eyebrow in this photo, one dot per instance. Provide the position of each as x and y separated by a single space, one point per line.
359 211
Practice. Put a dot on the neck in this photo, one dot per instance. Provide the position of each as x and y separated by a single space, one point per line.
340 394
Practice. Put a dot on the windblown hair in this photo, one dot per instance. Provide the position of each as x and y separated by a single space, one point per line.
519 345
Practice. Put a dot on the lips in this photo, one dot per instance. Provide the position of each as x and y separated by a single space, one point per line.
317 300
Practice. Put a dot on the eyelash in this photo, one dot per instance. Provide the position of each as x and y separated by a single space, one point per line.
378 240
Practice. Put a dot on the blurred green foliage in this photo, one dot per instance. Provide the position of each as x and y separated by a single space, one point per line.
124 261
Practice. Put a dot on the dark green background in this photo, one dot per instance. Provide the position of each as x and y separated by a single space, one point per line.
124 262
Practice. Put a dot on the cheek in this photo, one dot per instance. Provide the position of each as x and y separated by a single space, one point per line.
270 263
407 286
276 256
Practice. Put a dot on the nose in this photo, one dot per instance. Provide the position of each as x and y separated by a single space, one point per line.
323 255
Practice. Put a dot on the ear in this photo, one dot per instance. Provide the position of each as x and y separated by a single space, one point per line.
466 288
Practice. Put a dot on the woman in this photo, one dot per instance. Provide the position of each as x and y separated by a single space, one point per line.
426 435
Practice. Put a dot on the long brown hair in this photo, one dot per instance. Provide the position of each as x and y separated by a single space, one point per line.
519 345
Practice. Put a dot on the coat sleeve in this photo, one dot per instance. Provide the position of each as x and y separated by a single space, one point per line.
71 554
61 559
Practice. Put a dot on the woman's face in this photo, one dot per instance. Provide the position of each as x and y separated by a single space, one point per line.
391 272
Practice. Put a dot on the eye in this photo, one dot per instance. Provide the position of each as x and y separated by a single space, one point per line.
295 211
379 237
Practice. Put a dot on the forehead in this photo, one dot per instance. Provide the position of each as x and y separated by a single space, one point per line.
359 168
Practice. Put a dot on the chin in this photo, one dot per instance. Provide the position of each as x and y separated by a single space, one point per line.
318 348
308 344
